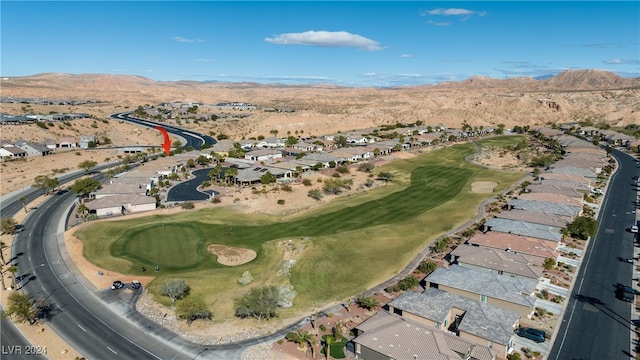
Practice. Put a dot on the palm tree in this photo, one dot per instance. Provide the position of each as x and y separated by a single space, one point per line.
2 246
300 337
82 208
13 270
328 341
23 200
232 173
4 286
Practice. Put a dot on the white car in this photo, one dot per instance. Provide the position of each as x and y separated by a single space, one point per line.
634 228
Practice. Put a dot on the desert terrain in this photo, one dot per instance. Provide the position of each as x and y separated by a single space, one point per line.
319 110
579 95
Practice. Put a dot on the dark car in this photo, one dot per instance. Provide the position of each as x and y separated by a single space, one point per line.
625 293
135 284
531 334
117 285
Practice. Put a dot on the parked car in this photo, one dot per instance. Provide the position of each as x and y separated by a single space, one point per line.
135 284
625 293
634 228
117 285
531 334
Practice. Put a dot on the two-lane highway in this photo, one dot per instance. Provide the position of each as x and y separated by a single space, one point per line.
596 324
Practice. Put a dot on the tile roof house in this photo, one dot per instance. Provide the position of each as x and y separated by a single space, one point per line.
386 336
552 198
519 244
507 292
545 207
524 228
536 217
507 263
472 320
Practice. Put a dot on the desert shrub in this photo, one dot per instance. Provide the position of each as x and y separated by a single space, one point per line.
342 169
286 187
187 205
315 194
322 327
280 201
306 182
216 200
408 283
427 267
42 125
365 167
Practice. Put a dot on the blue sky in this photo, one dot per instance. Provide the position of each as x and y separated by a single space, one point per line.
359 43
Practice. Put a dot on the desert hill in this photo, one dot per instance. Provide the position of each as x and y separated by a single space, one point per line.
319 109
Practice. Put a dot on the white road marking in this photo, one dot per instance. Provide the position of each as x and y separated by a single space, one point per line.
83 329
113 351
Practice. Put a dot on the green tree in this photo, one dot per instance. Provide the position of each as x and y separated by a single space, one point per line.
267 178
20 308
214 174
273 132
299 337
582 227
45 183
231 173
8 225
85 186
192 309
82 208
385 176
291 140
548 264
340 141
365 167
87 165
500 129
368 302
174 289
260 303
338 332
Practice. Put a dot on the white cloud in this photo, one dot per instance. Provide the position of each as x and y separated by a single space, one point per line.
442 23
621 62
406 56
454 12
185 40
325 39
206 60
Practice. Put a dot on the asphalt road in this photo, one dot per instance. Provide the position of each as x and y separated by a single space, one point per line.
596 324
192 139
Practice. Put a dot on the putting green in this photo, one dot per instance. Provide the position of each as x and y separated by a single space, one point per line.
170 246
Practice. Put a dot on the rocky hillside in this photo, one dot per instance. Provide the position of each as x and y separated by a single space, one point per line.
320 109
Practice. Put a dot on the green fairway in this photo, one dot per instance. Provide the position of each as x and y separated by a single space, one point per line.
354 243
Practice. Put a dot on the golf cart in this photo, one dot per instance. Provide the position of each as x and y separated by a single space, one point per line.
135 284
117 285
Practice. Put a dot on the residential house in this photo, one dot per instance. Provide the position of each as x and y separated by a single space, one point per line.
545 207
353 154
119 188
271 142
86 140
33 149
120 204
507 292
536 217
253 175
472 320
552 198
67 142
12 152
524 228
386 336
50 143
519 244
507 263
263 155
323 158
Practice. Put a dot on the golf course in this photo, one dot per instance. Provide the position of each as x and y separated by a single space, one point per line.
341 249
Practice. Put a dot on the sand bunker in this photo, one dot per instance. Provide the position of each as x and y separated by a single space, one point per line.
483 186
231 256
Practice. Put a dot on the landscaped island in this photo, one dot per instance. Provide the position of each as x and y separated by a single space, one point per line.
340 249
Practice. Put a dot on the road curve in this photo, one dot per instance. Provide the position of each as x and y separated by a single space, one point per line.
192 138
